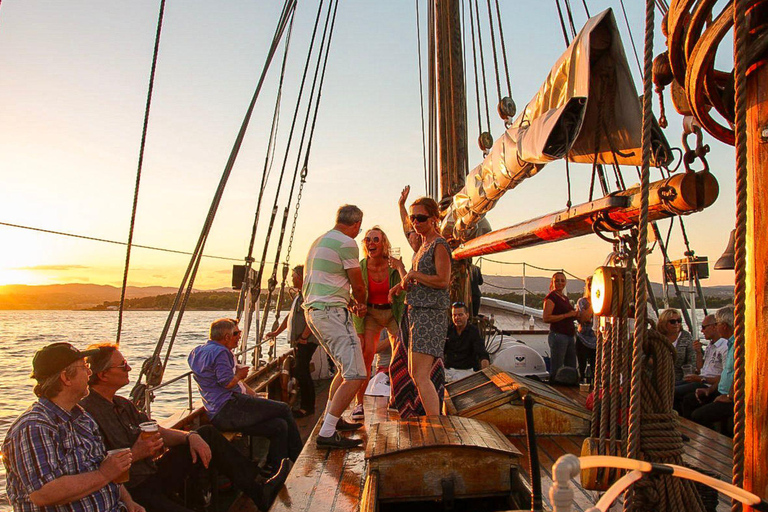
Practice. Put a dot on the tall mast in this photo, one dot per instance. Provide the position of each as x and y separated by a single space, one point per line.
450 97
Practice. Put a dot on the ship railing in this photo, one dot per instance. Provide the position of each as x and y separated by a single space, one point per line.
149 391
525 266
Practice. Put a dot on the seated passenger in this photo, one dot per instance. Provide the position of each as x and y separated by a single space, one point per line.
464 347
163 461
671 326
709 367
44 471
232 407
707 406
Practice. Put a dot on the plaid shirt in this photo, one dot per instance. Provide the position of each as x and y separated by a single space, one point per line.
47 442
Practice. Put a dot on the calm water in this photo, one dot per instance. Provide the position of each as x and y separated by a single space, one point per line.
24 332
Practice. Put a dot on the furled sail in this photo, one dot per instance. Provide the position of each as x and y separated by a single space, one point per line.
587 110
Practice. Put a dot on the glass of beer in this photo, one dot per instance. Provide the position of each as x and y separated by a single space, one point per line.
149 429
124 476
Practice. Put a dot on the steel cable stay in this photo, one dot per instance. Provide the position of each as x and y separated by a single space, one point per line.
325 45
245 298
475 76
421 95
482 74
139 166
153 368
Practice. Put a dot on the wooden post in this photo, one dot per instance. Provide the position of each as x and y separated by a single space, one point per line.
756 311
451 97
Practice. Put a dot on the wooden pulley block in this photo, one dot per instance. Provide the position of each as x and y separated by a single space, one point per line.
607 290
600 479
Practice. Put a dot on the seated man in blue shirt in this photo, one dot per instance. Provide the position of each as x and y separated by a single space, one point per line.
464 347
53 454
707 406
233 406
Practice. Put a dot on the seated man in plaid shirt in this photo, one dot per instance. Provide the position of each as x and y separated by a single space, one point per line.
53 454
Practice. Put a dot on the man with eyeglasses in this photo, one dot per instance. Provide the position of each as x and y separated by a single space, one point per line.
709 366
232 406
714 403
465 350
54 457
165 459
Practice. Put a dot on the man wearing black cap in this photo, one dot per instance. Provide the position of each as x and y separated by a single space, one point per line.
152 482
53 453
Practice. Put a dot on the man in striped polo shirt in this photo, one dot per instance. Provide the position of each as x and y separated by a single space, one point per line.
332 268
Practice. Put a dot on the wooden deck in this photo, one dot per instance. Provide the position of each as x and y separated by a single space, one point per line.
333 480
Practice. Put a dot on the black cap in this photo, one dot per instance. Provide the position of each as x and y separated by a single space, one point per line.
53 358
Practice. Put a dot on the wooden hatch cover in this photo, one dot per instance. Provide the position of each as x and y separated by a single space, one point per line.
495 396
427 457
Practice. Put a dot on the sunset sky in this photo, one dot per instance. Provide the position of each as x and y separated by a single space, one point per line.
72 92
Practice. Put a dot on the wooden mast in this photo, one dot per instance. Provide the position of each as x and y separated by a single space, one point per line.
451 119
451 97
756 310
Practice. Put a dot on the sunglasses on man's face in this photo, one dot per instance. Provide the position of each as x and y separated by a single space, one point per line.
237 333
373 239
419 218
674 321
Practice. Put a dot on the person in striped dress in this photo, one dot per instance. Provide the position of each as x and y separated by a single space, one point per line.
333 267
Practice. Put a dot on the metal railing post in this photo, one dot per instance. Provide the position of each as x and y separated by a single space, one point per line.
524 289
189 389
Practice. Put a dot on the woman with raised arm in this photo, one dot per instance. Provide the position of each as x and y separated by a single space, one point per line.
428 300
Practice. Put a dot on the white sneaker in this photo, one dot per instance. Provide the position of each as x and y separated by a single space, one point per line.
358 413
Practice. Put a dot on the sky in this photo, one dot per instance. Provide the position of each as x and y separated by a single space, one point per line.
72 94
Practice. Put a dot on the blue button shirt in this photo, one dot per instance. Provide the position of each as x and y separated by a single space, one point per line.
726 378
214 367
45 443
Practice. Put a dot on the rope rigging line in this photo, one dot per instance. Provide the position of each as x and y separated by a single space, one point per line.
503 49
569 11
421 96
324 46
153 369
142 146
562 24
105 240
493 48
433 156
586 9
284 160
641 294
482 63
742 172
476 77
631 37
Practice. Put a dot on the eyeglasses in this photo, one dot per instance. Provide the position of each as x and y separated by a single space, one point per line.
708 325
419 218
237 333
123 366
674 321
373 239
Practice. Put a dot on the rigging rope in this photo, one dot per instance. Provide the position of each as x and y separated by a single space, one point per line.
493 47
482 64
476 77
740 267
641 295
631 37
138 170
315 86
150 368
421 97
116 242
503 49
562 24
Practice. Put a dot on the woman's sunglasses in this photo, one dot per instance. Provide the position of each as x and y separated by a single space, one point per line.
373 239
675 321
419 218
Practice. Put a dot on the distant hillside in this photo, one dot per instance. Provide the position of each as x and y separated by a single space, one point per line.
69 296
214 300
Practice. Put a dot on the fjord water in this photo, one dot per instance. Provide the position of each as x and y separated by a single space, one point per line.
24 332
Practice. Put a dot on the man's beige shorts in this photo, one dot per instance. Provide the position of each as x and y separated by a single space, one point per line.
335 331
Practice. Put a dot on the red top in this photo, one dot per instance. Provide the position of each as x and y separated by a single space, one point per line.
378 291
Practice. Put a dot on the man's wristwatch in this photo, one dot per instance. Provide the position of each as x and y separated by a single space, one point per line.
189 434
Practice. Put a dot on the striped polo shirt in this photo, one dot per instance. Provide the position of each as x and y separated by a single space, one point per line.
325 274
